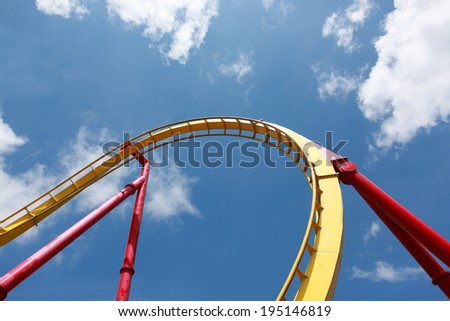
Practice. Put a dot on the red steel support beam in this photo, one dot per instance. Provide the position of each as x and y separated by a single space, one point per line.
438 274
434 242
127 270
414 234
13 278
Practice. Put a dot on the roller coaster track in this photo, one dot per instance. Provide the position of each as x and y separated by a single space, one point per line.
321 248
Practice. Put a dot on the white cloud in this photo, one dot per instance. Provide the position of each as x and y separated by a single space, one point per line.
372 231
169 193
63 8
285 8
239 69
276 13
384 271
342 24
175 26
9 141
408 89
332 83
79 152
267 4
17 190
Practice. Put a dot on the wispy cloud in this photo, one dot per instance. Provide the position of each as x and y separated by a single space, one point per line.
9 141
342 24
276 12
63 8
334 84
408 89
372 231
79 152
17 189
267 4
174 27
387 272
169 194
239 68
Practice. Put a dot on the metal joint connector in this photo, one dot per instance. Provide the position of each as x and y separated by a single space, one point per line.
3 293
127 269
132 186
440 277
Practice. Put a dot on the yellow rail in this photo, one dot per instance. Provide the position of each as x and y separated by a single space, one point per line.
320 250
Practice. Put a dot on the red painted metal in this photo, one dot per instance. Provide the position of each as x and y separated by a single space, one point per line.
434 242
13 278
438 274
414 234
127 270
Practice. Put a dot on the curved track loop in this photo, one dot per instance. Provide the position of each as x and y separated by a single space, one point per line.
320 250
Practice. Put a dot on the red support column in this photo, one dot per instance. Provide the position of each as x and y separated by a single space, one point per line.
10 280
414 234
127 270
438 275
434 242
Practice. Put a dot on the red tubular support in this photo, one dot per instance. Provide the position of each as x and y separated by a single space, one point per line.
414 234
438 275
429 238
127 270
10 280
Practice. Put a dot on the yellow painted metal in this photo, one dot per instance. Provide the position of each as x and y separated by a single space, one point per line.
324 233
321 248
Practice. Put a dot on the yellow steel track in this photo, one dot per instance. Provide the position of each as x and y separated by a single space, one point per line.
321 248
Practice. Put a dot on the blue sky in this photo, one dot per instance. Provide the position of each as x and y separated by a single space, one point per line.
75 74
